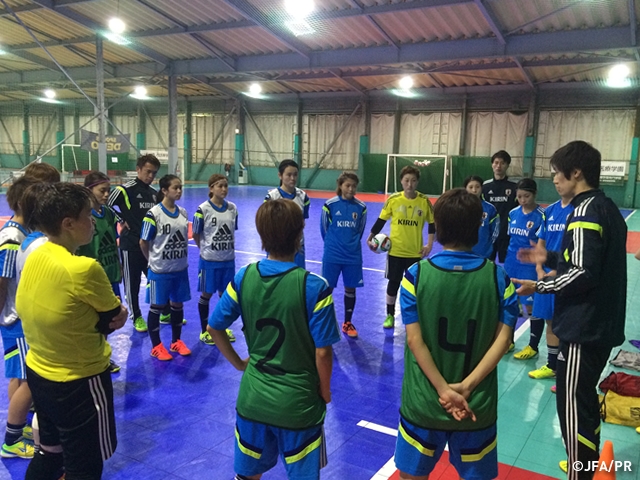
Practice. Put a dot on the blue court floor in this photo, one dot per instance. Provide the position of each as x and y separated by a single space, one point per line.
175 419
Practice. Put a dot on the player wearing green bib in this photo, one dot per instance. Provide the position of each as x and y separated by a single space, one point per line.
289 324
459 311
103 246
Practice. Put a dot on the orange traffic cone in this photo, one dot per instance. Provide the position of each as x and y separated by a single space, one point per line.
606 469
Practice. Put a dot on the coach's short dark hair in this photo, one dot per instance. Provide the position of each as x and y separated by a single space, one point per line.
578 155
504 155
280 224
410 170
148 158
47 205
458 215
16 192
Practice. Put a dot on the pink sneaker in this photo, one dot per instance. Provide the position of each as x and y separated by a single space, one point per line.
553 389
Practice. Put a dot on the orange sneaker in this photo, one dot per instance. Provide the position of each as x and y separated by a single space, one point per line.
179 347
349 330
161 353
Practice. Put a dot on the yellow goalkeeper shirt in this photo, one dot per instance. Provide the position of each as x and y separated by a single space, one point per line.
58 299
408 219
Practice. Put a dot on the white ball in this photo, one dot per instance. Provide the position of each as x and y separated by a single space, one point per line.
381 242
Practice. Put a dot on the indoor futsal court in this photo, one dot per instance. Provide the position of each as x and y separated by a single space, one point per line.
175 420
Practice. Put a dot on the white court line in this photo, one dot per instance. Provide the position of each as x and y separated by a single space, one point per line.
310 261
378 428
389 468
630 215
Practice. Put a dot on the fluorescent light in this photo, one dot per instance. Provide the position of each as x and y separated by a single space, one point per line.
117 26
51 94
299 27
117 39
49 100
406 83
299 9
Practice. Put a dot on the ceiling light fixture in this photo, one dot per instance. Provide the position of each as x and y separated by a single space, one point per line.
140 92
406 83
50 94
619 76
299 9
117 26
255 89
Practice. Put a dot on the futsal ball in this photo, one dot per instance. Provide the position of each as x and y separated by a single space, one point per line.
382 243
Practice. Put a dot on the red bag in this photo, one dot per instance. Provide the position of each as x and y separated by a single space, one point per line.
622 384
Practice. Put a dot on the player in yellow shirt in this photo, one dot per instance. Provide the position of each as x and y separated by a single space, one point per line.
409 211
67 306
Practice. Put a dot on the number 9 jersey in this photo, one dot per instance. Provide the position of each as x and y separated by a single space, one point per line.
216 226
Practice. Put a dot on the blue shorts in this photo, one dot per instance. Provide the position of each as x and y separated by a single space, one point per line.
303 452
543 305
521 271
116 290
473 454
351 274
165 287
15 351
212 280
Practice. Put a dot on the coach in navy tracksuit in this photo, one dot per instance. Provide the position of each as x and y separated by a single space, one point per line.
591 294
501 193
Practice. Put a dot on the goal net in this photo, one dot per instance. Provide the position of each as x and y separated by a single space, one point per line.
435 172
74 158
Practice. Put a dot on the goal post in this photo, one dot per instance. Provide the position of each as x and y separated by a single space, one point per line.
75 158
435 172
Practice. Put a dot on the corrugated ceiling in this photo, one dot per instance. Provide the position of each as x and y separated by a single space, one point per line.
338 26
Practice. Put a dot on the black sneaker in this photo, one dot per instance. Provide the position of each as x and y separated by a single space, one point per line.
113 367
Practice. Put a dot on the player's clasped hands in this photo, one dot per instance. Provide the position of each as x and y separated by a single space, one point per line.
455 404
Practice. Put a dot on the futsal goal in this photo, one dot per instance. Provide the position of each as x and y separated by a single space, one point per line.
435 172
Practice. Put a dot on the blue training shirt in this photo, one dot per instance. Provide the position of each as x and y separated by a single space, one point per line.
320 311
555 225
458 261
488 232
342 226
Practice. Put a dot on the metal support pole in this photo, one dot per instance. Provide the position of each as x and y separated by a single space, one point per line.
463 127
60 134
528 162
317 166
365 140
26 143
188 129
102 145
173 128
297 139
240 138
110 124
76 125
141 138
